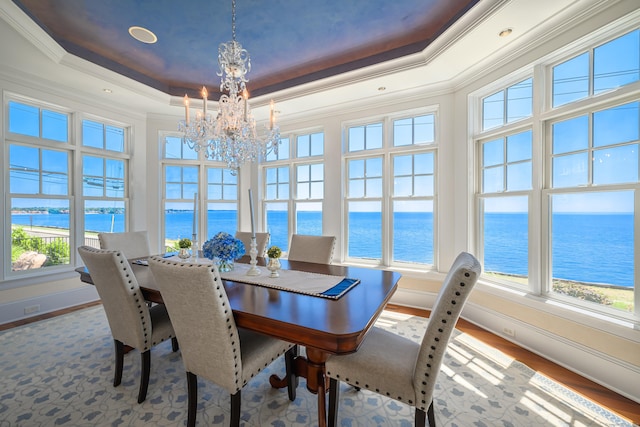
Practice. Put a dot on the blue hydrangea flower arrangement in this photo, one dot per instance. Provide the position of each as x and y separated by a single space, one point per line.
224 247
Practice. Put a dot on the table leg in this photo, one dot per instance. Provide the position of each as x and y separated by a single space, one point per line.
313 369
317 381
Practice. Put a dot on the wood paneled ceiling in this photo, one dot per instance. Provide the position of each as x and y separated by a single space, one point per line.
291 42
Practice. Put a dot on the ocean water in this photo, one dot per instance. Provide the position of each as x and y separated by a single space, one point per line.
594 248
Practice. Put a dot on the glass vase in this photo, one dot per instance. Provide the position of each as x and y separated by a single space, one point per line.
184 253
273 266
225 265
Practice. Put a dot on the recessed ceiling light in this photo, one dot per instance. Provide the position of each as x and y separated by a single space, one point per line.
106 90
506 32
382 88
142 35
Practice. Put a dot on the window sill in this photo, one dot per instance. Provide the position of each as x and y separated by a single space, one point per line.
617 325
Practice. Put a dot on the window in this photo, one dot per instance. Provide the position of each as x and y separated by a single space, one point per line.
294 189
283 151
104 180
40 202
603 68
588 182
104 137
277 194
414 130
364 207
193 203
366 137
413 191
46 213
593 152
38 122
309 195
222 201
407 161
508 105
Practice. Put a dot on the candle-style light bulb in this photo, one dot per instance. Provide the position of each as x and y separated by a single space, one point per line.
245 95
204 101
272 118
186 109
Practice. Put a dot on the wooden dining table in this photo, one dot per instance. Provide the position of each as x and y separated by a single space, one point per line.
324 326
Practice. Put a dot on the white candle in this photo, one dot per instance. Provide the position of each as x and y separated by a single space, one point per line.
195 210
245 95
271 117
253 229
186 109
204 101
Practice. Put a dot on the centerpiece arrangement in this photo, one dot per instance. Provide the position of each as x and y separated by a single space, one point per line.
184 245
223 249
273 265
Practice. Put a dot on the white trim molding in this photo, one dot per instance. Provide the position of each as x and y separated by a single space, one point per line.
15 310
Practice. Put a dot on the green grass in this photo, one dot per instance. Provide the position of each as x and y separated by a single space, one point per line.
613 296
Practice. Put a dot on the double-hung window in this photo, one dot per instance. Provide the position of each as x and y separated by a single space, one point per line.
40 194
390 190
294 188
104 179
505 150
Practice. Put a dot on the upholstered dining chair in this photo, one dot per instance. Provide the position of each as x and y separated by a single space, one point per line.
262 240
398 367
212 346
317 249
132 323
133 244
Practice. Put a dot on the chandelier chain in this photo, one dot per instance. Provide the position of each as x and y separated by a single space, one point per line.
233 20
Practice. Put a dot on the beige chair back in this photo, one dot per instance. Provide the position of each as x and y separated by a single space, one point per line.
317 249
202 319
133 244
123 302
452 297
262 240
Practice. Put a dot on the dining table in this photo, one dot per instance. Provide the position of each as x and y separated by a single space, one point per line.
324 326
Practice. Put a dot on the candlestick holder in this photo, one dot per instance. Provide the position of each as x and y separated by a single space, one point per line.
194 246
253 271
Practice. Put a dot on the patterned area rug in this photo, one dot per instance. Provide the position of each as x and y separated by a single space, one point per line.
59 372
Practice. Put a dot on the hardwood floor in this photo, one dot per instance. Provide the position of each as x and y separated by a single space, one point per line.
622 406
616 403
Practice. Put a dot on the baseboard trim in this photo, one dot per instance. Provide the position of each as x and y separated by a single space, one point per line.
614 374
15 310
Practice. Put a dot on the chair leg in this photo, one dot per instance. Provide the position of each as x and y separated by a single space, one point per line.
432 418
192 391
334 396
292 378
145 358
174 344
420 418
117 377
235 409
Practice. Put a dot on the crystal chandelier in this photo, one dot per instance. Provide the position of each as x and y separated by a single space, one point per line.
231 135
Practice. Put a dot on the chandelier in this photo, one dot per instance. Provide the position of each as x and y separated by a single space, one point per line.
230 136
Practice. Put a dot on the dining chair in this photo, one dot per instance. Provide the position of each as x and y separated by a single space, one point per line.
133 244
212 346
262 240
317 249
132 322
398 367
